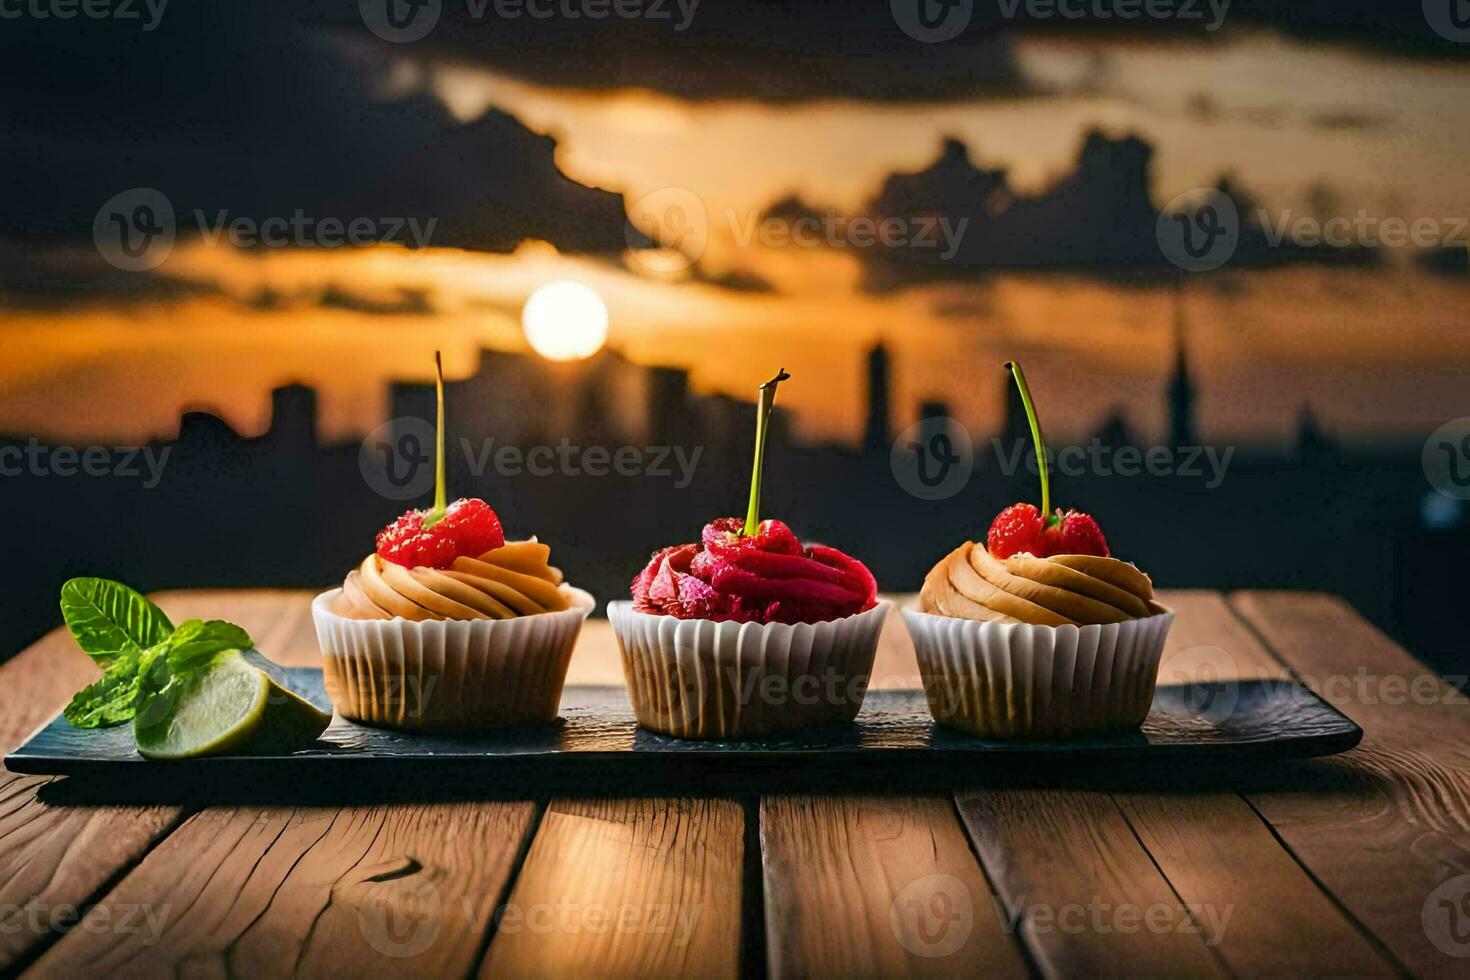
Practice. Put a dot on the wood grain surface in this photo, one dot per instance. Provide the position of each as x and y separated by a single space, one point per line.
1386 827
54 859
627 888
1350 865
873 886
279 891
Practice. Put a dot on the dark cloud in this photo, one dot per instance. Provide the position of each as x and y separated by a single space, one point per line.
1099 219
708 49
239 109
50 279
783 52
407 302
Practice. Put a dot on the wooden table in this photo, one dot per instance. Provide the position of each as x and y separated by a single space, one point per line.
1358 864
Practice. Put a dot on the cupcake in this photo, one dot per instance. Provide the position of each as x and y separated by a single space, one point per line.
748 632
448 626
1038 632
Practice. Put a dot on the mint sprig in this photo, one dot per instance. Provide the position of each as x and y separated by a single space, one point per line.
109 620
145 659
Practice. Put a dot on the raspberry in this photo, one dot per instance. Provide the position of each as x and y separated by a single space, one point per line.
1014 530
1080 535
469 528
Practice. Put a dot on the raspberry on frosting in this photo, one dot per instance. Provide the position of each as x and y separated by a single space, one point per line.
768 577
469 528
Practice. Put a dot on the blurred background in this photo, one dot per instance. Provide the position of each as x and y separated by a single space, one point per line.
1226 239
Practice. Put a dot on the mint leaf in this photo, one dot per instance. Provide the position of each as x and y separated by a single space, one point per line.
108 619
109 701
193 649
194 644
145 660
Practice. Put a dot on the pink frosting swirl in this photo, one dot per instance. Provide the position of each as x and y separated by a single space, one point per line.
769 577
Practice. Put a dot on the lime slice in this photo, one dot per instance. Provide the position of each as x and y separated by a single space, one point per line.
233 708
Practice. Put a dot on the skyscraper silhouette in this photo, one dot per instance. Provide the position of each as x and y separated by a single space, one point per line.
877 435
1181 391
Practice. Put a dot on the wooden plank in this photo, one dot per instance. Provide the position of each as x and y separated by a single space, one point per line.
316 892
1265 914
1215 851
1385 827
877 886
627 888
54 859
1080 888
1221 889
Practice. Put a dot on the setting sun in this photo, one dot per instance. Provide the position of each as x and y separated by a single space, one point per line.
565 321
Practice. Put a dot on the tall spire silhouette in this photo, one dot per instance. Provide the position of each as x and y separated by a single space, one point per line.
1181 392
878 435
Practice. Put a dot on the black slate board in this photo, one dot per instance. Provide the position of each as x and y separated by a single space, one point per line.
596 743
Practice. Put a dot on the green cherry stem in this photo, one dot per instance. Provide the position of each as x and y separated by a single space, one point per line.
762 417
1037 438
441 493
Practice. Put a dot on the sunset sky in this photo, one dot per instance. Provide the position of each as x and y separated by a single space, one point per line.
1375 351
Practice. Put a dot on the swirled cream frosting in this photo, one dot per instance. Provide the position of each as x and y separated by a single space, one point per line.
1063 590
512 580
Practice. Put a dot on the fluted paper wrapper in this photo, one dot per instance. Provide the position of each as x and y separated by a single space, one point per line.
697 678
1015 680
448 675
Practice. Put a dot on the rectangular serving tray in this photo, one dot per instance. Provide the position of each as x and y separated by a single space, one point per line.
597 743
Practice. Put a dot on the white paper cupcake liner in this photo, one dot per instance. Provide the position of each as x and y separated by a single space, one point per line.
696 678
448 674
1014 680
